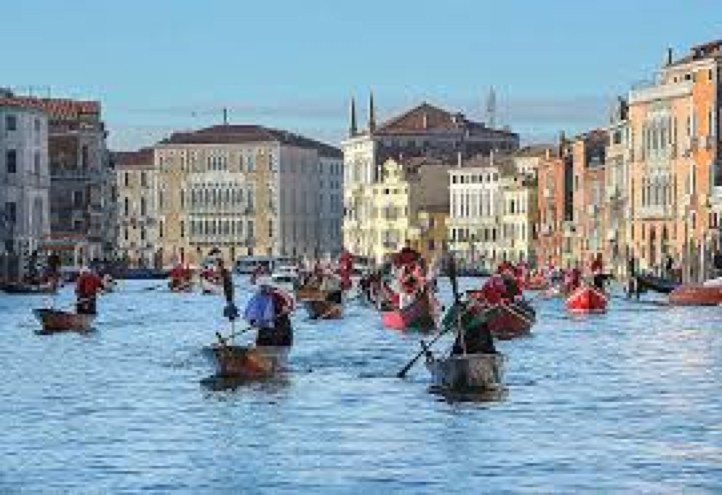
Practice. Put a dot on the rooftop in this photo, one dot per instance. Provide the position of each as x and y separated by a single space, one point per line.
429 118
242 134
132 159
57 109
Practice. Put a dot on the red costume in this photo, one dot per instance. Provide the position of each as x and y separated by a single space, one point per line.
88 285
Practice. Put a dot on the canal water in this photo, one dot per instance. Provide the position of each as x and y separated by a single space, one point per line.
630 401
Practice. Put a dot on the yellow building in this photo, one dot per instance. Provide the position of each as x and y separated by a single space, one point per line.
404 189
136 179
430 236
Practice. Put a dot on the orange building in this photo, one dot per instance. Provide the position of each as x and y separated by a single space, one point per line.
588 162
555 208
674 161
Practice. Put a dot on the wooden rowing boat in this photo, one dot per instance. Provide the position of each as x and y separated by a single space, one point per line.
587 299
180 285
421 314
249 362
322 309
46 288
466 372
510 320
696 295
54 320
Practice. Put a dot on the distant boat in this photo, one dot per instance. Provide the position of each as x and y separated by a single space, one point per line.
421 314
467 372
22 288
251 362
54 320
696 295
587 299
656 284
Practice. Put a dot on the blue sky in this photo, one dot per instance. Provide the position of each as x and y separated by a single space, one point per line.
159 65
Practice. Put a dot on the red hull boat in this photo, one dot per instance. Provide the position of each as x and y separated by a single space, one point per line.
510 320
696 295
586 299
419 315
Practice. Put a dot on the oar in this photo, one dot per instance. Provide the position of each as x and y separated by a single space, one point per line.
424 347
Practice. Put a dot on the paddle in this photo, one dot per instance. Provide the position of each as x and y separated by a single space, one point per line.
424 346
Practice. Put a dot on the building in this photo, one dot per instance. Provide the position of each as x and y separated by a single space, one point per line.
137 184
82 206
24 177
476 204
404 189
675 166
616 208
588 164
247 190
519 216
431 235
555 206
424 131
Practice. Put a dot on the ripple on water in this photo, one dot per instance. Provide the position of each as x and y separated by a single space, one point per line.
626 401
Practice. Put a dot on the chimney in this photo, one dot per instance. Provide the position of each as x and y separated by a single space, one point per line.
670 56
459 159
425 120
372 113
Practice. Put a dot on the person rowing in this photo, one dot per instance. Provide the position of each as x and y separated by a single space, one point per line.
268 311
86 289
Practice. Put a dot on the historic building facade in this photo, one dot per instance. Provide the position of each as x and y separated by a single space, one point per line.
674 161
247 190
137 183
404 189
424 131
24 177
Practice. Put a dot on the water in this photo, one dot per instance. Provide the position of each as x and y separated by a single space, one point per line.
625 402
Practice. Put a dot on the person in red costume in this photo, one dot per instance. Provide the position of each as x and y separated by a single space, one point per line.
86 289
597 268
345 269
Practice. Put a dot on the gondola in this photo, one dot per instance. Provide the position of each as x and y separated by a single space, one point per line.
656 284
248 362
696 295
587 299
322 309
421 314
511 320
466 372
29 289
54 320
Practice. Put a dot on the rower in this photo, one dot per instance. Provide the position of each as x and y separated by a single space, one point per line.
597 276
268 311
475 336
86 289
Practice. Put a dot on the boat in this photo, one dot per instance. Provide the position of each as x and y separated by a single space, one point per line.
656 284
322 309
210 287
421 314
54 320
139 273
714 282
251 362
587 299
696 295
510 320
180 285
466 372
285 275
21 288
536 283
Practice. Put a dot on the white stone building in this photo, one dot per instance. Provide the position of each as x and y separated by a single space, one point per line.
24 177
424 131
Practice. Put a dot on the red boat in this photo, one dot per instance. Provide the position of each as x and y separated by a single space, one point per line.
422 314
696 295
510 320
587 299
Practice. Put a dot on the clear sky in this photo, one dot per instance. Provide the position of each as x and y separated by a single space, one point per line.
160 65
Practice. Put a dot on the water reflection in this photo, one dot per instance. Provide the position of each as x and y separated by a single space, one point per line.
480 396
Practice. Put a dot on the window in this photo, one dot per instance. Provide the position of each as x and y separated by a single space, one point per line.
84 156
142 233
160 229
143 208
36 163
143 179
126 180
11 159
182 229
11 123
36 124
11 212
78 199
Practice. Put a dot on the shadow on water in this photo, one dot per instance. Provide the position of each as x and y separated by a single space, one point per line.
272 384
470 395
89 332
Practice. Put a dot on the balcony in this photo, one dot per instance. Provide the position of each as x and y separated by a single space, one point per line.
658 92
